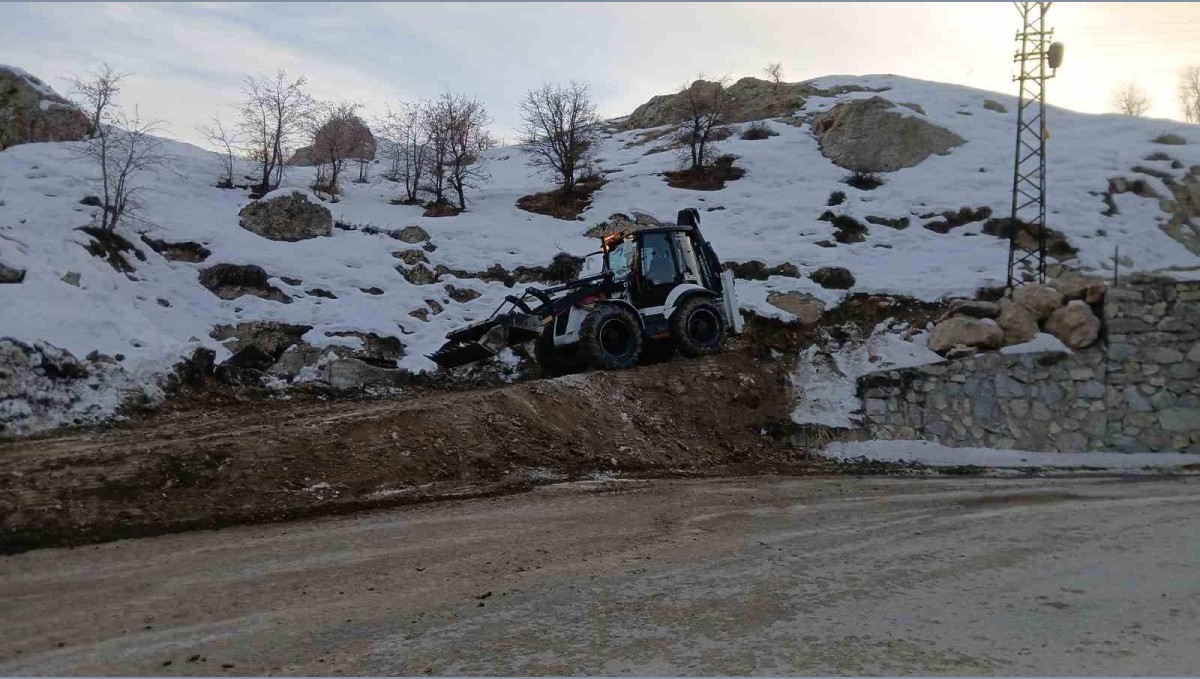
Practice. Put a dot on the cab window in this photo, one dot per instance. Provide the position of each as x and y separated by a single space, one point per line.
658 262
618 259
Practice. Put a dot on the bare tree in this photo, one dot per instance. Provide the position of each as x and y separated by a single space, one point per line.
702 107
338 135
408 132
436 119
227 142
560 131
124 147
95 94
274 112
1130 100
774 71
463 124
1189 93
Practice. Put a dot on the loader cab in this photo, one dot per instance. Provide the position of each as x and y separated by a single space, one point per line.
654 261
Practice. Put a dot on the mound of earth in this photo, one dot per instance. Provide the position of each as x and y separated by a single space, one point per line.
302 456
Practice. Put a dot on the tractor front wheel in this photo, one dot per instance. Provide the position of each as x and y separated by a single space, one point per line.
698 327
610 338
555 361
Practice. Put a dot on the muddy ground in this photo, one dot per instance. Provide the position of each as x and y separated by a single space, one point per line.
221 456
205 464
756 575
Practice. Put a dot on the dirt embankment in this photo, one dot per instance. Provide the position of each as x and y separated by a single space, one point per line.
213 465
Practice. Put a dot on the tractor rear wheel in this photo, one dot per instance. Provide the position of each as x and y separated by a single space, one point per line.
555 361
610 338
698 327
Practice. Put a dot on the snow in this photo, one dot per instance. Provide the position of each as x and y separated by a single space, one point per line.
937 455
826 378
288 191
771 214
33 81
1043 342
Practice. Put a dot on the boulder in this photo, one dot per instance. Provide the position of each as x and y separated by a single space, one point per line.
11 275
383 350
287 217
461 295
182 251
969 332
993 105
412 234
411 256
975 308
1041 300
418 274
31 111
1074 324
868 135
296 358
230 281
1170 139
806 308
352 373
833 278
1018 323
270 337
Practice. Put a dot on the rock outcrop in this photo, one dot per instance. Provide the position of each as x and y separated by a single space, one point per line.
869 135
287 217
352 138
751 99
230 281
31 111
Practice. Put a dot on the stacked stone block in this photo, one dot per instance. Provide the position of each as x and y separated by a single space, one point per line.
1138 391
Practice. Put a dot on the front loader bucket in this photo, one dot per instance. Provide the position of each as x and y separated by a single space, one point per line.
485 339
454 354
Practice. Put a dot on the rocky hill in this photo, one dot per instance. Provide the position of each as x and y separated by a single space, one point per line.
357 292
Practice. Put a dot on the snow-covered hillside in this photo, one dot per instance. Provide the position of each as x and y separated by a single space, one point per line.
160 313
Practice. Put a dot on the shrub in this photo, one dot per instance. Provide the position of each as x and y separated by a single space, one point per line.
758 130
836 198
864 181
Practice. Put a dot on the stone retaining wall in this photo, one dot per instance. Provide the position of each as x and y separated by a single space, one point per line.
1136 391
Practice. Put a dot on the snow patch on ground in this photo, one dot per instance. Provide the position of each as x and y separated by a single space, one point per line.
1043 342
937 455
826 379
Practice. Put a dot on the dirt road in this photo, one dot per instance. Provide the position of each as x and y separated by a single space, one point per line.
759 575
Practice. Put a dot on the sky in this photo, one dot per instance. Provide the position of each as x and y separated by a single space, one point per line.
187 61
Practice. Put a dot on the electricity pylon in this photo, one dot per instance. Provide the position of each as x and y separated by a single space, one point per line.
1027 251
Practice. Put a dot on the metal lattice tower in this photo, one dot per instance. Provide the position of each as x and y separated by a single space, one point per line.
1027 241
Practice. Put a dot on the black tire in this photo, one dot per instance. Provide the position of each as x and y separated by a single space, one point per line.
610 338
553 361
698 327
